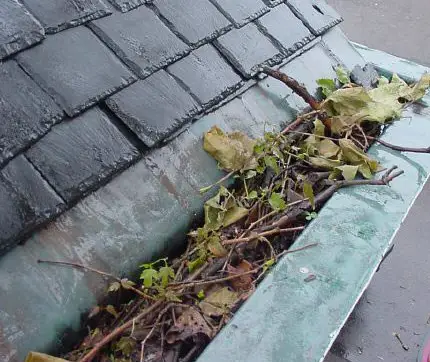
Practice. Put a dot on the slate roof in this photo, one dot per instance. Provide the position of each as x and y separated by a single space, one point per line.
88 86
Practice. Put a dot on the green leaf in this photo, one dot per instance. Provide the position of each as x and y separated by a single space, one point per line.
277 202
250 174
355 156
234 214
324 163
219 302
342 75
327 148
418 90
319 128
111 310
268 264
365 170
328 86
271 162
201 294
234 151
252 195
309 193
114 287
165 274
349 172
127 284
126 345
148 276
216 248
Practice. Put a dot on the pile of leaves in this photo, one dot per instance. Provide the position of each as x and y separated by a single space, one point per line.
276 186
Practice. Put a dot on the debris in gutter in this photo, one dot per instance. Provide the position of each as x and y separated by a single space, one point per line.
279 183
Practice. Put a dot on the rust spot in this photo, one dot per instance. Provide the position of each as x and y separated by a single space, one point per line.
170 187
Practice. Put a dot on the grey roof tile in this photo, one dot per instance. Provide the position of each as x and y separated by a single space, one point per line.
273 3
315 14
79 154
154 107
19 29
140 39
127 5
76 68
26 201
26 112
247 48
287 30
195 20
241 12
208 76
57 15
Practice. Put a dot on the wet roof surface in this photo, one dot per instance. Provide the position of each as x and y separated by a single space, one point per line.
88 86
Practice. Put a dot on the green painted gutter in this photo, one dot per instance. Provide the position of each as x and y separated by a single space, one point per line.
288 319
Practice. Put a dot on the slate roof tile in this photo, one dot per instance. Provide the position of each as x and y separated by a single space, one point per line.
126 5
76 68
315 14
19 29
273 3
197 21
57 15
241 12
26 111
274 24
247 48
153 108
208 76
26 200
190 55
140 39
79 154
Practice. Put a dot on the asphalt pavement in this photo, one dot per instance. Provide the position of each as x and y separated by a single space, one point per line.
397 301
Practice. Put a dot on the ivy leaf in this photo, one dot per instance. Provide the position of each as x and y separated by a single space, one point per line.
328 86
324 163
201 294
349 172
327 148
271 162
250 174
114 287
277 202
127 284
216 248
234 214
355 156
234 151
111 310
126 345
165 274
342 75
252 195
319 128
309 193
148 276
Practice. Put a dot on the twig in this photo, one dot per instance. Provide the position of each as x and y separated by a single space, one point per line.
157 321
285 252
399 148
221 180
118 331
366 143
294 86
291 214
189 356
214 281
299 120
80 266
274 231
313 134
